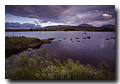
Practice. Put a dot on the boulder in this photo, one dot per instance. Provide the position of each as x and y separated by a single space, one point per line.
29 49
77 38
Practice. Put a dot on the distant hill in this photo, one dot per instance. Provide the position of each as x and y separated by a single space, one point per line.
67 28
108 26
53 26
86 25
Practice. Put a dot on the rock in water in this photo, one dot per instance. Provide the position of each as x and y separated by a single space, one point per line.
107 39
64 38
84 37
60 40
112 37
88 37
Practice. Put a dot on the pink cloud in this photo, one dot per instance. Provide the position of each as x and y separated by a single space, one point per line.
106 16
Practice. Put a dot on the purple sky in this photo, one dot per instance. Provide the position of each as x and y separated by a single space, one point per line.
47 15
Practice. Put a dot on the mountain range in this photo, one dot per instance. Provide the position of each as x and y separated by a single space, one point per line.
108 26
86 25
58 26
33 26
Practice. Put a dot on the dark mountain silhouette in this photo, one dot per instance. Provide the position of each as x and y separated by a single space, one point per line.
86 25
57 26
108 26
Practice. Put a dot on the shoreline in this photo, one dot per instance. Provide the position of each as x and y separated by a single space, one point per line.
73 28
60 30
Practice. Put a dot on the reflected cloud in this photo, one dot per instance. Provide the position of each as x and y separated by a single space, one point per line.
103 44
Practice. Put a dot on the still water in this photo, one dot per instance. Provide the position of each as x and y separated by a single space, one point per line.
71 44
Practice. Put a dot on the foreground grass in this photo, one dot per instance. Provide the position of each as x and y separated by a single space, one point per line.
40 67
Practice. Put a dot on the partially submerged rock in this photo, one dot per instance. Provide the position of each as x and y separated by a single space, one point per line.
88 37
112 37
64 38
77 38
78 41
60 40
84 37
107 39
71 40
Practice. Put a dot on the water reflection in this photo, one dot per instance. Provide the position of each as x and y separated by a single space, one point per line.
65 45
103 44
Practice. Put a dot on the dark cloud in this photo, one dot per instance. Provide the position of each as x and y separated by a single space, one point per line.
109 9
42 11
98 7
67 14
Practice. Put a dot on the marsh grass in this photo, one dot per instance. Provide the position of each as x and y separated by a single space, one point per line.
23 42
16 44
45 41
41 67
20 42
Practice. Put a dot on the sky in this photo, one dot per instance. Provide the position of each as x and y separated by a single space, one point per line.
49 15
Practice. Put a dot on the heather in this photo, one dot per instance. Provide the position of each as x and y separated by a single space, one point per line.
41 67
